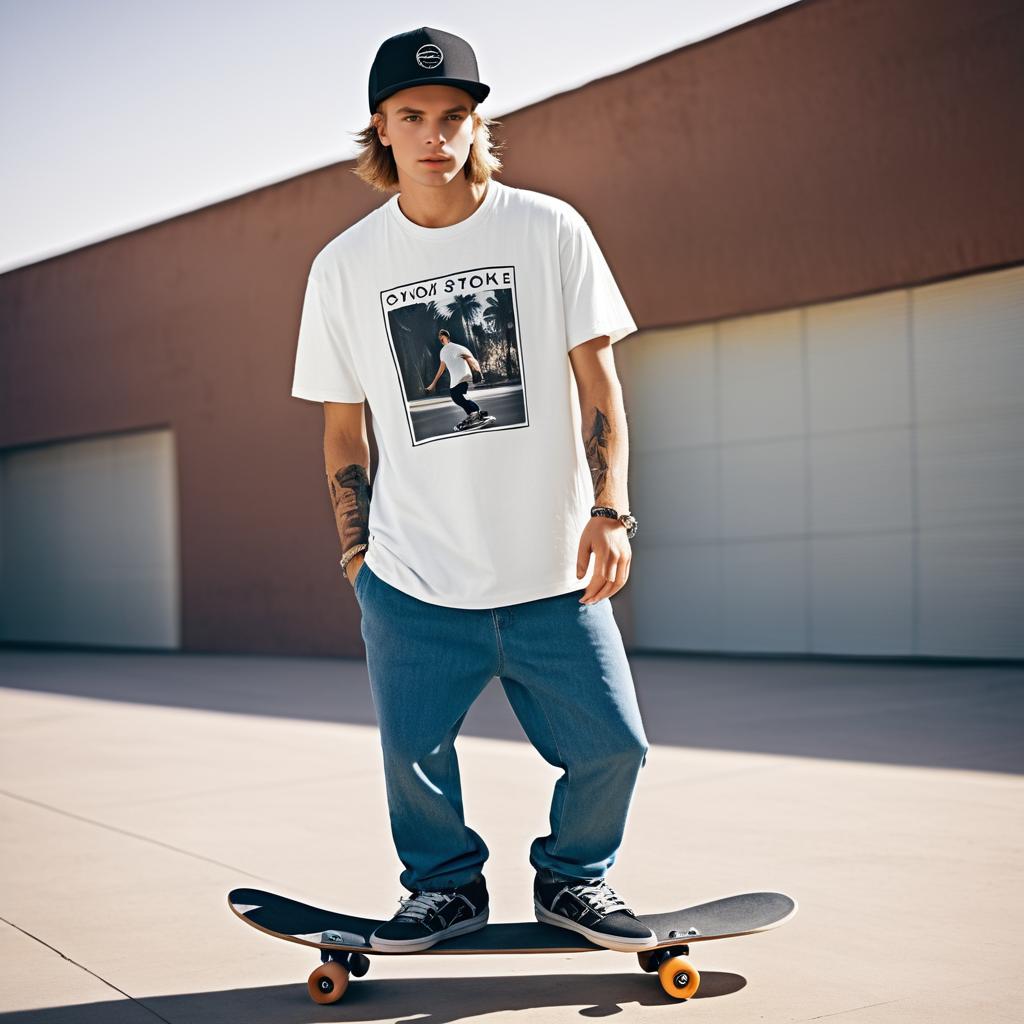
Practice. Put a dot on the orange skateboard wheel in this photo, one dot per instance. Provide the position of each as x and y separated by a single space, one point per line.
328 982
679 978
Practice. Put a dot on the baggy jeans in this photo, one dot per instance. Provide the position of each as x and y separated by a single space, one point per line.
458 396
565 673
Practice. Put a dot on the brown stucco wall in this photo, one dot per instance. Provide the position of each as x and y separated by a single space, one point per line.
832 148
828 149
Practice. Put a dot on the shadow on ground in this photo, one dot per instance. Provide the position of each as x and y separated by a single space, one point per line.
431 1000
958 715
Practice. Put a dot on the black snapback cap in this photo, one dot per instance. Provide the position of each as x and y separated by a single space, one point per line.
424 56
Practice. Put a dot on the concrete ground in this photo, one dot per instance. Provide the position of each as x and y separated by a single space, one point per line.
136 790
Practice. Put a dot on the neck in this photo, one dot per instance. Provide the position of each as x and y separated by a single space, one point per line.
440 206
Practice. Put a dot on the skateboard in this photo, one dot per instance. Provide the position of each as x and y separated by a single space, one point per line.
344 946
486 420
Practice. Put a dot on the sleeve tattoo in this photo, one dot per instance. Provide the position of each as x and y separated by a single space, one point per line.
596 444
350 497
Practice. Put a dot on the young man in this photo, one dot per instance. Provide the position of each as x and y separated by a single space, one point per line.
461 366
479 553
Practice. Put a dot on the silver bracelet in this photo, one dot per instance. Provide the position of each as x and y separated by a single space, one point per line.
351 553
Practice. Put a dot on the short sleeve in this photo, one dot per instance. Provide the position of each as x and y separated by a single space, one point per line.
324 371
592 302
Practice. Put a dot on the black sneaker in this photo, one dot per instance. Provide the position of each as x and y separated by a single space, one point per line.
430 916
592 908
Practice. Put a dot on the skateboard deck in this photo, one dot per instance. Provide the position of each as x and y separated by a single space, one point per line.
344 940
487 421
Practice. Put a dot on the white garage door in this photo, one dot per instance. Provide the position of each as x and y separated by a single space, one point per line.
89 542
846 478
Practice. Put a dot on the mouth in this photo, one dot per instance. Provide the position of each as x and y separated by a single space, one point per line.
435 160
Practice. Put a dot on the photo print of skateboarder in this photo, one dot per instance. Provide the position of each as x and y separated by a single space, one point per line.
434 328
463 368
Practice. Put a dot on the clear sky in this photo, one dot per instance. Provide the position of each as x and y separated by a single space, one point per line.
121 113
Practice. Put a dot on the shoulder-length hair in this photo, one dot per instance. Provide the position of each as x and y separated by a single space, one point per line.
375 163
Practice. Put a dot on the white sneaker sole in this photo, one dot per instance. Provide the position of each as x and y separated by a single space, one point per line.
617 942
412 945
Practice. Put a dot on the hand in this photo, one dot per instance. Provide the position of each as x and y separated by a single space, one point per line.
607 539
430 387
352 569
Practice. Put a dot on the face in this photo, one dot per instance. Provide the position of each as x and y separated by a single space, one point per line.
430 131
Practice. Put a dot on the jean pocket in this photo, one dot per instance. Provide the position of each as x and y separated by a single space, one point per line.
360 577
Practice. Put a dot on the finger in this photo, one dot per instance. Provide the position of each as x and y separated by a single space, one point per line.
602 584
620 579
609 588
595 591
596 582
582 560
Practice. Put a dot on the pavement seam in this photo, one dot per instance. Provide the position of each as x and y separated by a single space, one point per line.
856 1009
98 977
132 835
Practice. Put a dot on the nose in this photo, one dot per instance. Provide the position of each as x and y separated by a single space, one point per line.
438 133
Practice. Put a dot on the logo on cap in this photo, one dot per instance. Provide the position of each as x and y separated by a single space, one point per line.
429 56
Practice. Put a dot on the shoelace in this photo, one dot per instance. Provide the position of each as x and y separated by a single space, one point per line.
417 907
600 895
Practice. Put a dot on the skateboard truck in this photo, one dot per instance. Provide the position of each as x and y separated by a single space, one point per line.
652 960
356 963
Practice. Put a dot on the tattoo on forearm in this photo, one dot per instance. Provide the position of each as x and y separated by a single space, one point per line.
350 497
596 444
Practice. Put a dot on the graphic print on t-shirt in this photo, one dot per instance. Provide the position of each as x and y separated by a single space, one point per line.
445 328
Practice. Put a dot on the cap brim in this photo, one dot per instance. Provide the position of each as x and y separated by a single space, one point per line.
477 90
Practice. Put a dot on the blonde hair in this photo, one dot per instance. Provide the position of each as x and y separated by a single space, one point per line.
375 163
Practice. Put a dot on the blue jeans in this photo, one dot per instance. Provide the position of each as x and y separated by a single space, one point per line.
565 673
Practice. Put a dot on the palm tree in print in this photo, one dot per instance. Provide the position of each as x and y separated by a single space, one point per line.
464 308
500 315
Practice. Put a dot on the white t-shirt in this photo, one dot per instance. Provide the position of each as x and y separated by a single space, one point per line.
453 355
484 517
